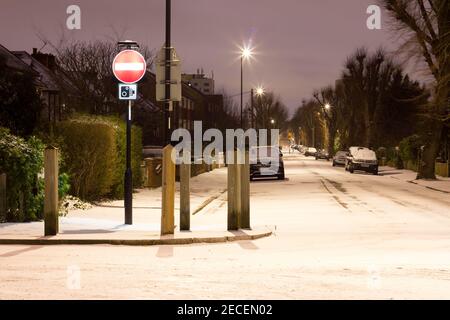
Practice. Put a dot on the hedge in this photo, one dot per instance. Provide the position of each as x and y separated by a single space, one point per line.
22 161
94 156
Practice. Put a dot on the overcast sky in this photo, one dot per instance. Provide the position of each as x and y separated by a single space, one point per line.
300 44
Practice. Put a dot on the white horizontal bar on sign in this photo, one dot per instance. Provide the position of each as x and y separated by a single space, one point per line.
129 66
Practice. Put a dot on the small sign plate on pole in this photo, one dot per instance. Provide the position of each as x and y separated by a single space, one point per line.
127 91
175 76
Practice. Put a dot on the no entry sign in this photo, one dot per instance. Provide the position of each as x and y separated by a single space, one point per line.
129 66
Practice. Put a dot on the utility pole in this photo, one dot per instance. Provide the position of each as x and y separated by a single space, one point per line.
167 112
168 167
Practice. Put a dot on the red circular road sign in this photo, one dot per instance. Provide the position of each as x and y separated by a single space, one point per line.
129 66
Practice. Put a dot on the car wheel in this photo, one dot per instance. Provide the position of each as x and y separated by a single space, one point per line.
375 172
351 169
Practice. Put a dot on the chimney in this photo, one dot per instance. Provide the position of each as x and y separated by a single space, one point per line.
34 50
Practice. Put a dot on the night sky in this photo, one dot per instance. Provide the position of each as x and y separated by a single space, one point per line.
300 44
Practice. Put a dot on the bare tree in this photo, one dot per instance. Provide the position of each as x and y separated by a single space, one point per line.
425 26
269 111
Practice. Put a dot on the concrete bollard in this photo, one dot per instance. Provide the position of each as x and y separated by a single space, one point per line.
168 192
185 205
3 199
51 223
245 191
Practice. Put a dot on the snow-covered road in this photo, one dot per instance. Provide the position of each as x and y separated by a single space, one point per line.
336 235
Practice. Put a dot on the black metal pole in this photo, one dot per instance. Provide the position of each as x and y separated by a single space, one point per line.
128 173
242 89
167 116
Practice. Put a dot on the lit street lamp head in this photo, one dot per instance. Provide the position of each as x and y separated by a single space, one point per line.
259 91
246 52
327 106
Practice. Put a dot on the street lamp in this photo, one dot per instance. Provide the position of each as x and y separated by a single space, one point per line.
327 106
259 91
246 53
259 94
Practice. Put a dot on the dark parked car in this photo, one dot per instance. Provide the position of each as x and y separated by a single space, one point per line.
364 160
339 158
266 161
322 154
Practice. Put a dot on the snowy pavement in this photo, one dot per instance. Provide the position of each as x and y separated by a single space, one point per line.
336 235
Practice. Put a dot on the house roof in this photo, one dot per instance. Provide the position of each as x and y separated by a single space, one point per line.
47 79
12 61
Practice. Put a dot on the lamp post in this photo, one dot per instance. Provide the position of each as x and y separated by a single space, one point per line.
259 93
246 53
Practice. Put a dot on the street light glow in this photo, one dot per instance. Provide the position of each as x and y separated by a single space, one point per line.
327 106
246 52
260 91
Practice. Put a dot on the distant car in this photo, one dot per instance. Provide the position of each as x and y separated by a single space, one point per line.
322 154
364 160
310 152
266 161
339 158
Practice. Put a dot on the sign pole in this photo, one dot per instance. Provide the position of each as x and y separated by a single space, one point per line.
129 66
167 126
128 196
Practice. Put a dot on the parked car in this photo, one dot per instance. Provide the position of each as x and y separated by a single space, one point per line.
339 158
266 161
351 152
364 160
322 154
310 152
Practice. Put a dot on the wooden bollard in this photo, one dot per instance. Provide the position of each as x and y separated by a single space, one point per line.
245 191
168 192
234 194
51 223
185 205
3 199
